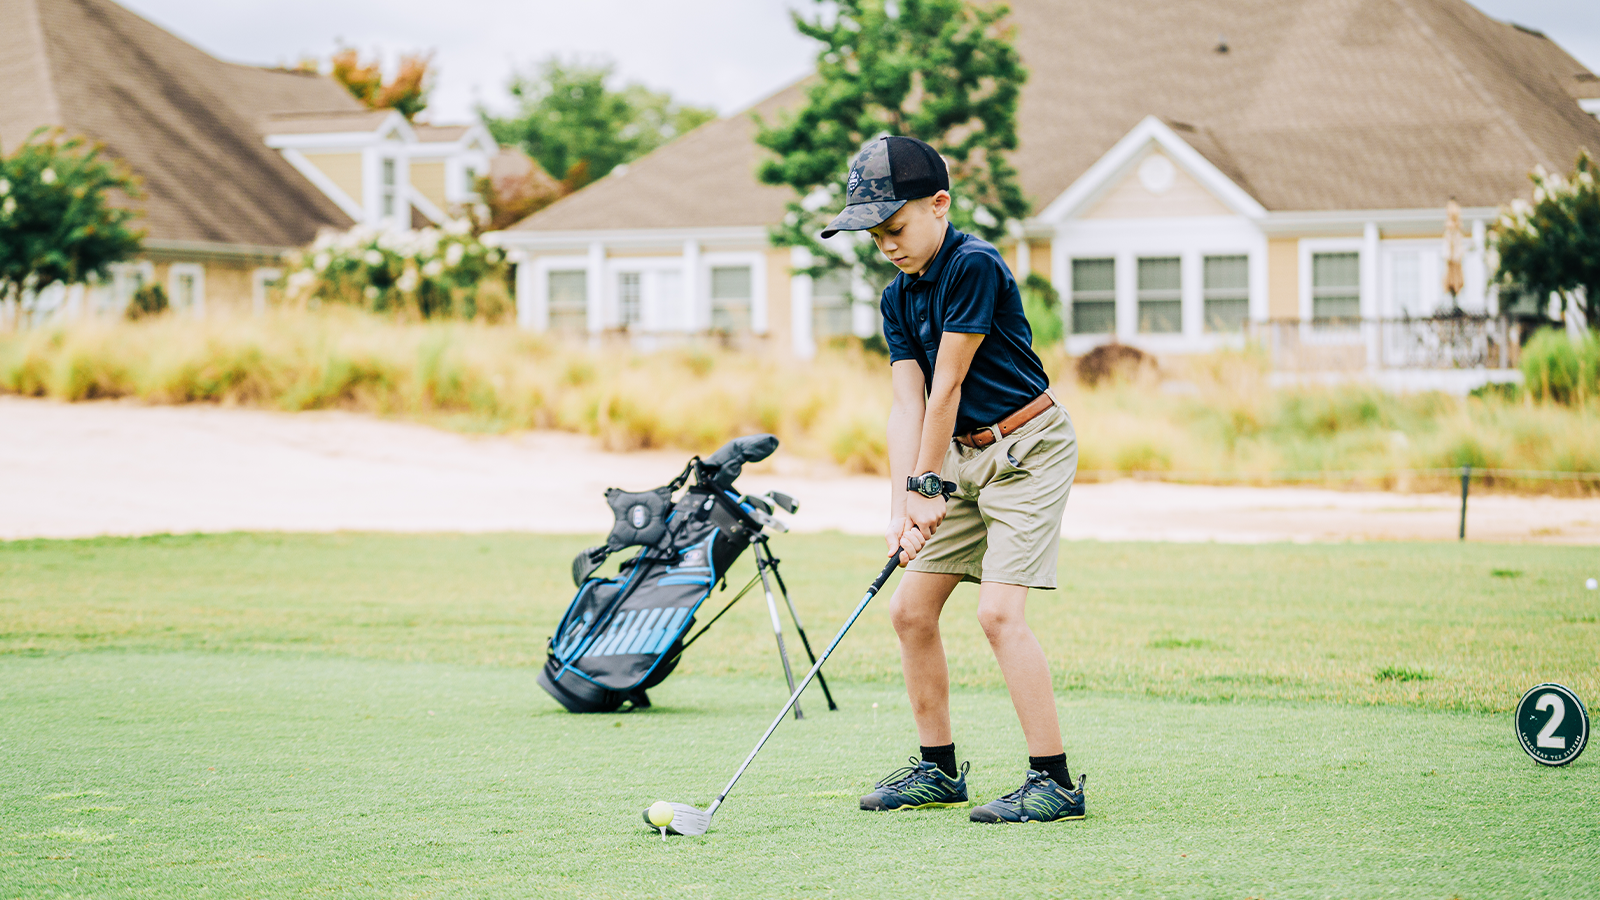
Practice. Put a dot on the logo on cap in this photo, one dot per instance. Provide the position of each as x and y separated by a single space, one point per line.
855 180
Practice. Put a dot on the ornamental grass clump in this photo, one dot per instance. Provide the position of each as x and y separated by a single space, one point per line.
1209 418
431 273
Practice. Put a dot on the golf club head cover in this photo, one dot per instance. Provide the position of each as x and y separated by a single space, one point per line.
641 517
584 564
729 460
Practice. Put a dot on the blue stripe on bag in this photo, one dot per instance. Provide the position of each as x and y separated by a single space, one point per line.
641 633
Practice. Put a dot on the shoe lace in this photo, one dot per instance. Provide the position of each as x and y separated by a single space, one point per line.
1034 784
902 776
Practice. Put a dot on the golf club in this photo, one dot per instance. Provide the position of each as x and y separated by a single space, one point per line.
762 550
777 629
689 820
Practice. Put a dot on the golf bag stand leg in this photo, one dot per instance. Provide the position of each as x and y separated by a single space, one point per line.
777 624
762 550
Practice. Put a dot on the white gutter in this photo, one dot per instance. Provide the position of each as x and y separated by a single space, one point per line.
626 238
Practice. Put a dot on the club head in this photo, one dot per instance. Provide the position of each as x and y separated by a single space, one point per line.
686 820
789 504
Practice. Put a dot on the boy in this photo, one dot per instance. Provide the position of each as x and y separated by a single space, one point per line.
971 405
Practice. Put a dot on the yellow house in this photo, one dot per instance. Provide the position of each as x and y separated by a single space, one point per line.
1198 170
239 163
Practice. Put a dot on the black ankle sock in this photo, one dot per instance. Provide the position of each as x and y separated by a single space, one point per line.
1054 766
944 757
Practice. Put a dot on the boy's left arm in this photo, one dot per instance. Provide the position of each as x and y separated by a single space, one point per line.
956 350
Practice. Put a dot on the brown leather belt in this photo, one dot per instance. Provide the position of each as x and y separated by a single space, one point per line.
986 435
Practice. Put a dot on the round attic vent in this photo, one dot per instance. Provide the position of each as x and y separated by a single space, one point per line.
1156 173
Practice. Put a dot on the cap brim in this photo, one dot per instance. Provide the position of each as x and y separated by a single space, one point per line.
861 216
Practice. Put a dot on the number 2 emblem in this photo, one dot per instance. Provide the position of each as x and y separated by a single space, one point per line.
1552 724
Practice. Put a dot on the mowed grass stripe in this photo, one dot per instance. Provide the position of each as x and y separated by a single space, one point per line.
248 775
1445 626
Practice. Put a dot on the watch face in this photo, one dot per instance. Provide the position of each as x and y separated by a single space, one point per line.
928 485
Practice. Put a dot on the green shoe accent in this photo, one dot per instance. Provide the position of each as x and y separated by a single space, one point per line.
1039 799
921 785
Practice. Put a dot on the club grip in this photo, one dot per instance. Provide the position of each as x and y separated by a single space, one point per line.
888 569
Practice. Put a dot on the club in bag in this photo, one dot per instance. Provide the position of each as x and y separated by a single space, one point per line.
688 820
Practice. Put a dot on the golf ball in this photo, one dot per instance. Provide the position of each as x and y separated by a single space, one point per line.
660 814
1592 584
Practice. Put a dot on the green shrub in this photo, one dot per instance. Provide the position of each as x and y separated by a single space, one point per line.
1554 367
1041 303
150 300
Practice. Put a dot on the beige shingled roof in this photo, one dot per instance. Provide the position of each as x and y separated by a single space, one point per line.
704 179
1317 105
188 124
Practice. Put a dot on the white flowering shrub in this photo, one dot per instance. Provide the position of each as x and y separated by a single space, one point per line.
58 221
432 273
1552 245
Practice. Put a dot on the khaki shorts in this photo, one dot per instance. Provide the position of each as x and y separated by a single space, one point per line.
1003 523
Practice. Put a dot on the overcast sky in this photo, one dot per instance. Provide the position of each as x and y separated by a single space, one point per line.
720 53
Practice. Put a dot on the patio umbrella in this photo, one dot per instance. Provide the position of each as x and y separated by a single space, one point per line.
1454 248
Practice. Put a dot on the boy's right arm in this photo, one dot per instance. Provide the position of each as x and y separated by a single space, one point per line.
905 438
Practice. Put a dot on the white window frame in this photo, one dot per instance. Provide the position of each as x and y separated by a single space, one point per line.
258 287
1249 287
372 178
1191 239
1311 247
653 317
118 304
1068 296
199 272
1184 299
757 263
1431 275
537 316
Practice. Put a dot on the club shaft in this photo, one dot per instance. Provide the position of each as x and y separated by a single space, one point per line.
777 631
805 641
772 563
861 607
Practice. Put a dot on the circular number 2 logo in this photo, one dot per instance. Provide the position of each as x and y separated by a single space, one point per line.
1552 724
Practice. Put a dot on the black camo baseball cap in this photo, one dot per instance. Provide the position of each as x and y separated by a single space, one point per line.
886 173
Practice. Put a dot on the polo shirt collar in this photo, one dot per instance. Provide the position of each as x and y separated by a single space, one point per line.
931 276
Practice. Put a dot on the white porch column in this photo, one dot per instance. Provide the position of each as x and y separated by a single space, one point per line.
805 344
696 312
1260 298
1191 283
1475 272
1024 260
1370 309
1127 287
1369 271
528 312
594 280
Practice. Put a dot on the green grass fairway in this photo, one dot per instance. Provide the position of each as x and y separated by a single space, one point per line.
355 716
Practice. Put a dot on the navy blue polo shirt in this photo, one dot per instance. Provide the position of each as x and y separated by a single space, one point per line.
967 289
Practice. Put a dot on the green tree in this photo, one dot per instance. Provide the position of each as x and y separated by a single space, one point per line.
57 223
1552 245
943 71
579 128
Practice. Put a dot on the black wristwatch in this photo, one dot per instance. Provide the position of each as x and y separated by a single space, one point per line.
928 484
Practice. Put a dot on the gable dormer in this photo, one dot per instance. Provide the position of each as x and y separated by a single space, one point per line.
359 159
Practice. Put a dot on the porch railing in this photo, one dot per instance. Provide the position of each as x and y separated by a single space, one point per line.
1350 345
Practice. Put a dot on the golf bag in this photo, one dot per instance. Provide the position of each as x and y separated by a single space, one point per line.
623 635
